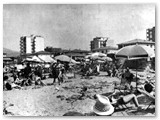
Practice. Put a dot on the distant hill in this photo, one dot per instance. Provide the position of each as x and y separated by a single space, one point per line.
11 53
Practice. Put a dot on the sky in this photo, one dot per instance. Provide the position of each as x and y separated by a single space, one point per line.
73 26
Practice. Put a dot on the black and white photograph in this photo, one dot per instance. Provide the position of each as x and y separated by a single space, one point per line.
79 60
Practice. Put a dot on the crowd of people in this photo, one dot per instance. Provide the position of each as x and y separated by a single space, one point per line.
93 67
58 70
23 77
29 75
105 105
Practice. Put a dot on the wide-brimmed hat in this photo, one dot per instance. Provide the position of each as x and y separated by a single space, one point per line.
103 106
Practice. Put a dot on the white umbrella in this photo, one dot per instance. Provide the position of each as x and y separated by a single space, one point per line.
37 59
107 58
74 62
98 54
47 59
63 58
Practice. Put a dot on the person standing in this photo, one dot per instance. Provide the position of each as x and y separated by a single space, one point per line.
39 71
27 71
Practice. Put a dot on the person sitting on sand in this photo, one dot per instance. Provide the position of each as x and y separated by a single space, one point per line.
8 85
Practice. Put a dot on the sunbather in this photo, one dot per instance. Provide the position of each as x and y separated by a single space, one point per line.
123 100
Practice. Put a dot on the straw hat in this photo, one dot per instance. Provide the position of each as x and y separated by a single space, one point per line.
103 106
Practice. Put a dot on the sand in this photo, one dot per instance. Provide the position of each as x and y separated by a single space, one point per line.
55 100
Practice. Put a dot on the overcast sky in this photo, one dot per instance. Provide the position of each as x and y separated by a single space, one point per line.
74 26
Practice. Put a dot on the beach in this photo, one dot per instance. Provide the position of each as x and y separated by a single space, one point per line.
57 100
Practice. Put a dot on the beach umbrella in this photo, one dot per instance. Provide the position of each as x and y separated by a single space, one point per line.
63 58
135 52
98 54
37 59
107 59
33 59
95 55
74 62
47 58
100 61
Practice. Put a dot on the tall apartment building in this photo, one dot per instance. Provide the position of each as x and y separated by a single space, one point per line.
150 34
31 44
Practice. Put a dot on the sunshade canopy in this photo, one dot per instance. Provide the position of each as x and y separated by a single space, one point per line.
135 51
47 59
63 58
34 59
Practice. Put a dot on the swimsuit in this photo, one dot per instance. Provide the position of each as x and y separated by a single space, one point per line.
120 101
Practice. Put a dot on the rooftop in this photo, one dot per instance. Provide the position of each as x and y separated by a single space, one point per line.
140 41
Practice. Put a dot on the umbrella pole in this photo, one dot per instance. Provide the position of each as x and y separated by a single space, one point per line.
136 74
136 78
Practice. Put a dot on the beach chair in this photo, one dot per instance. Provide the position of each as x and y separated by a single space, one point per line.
149 95
118 106
115 104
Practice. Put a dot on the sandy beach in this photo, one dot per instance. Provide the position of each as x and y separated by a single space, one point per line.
55 100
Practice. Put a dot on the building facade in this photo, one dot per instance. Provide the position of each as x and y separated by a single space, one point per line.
150 34
103 45
31 44
98 42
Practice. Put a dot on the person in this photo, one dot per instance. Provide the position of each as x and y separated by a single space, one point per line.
147 87
97 68
128 75
27 71
38 71
114 71
14 75
124 83
8 85
57 72
108 69
83 92
123 100
27 74
66 66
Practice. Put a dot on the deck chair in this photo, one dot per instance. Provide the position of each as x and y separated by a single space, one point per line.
152 97
119 106
115 105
